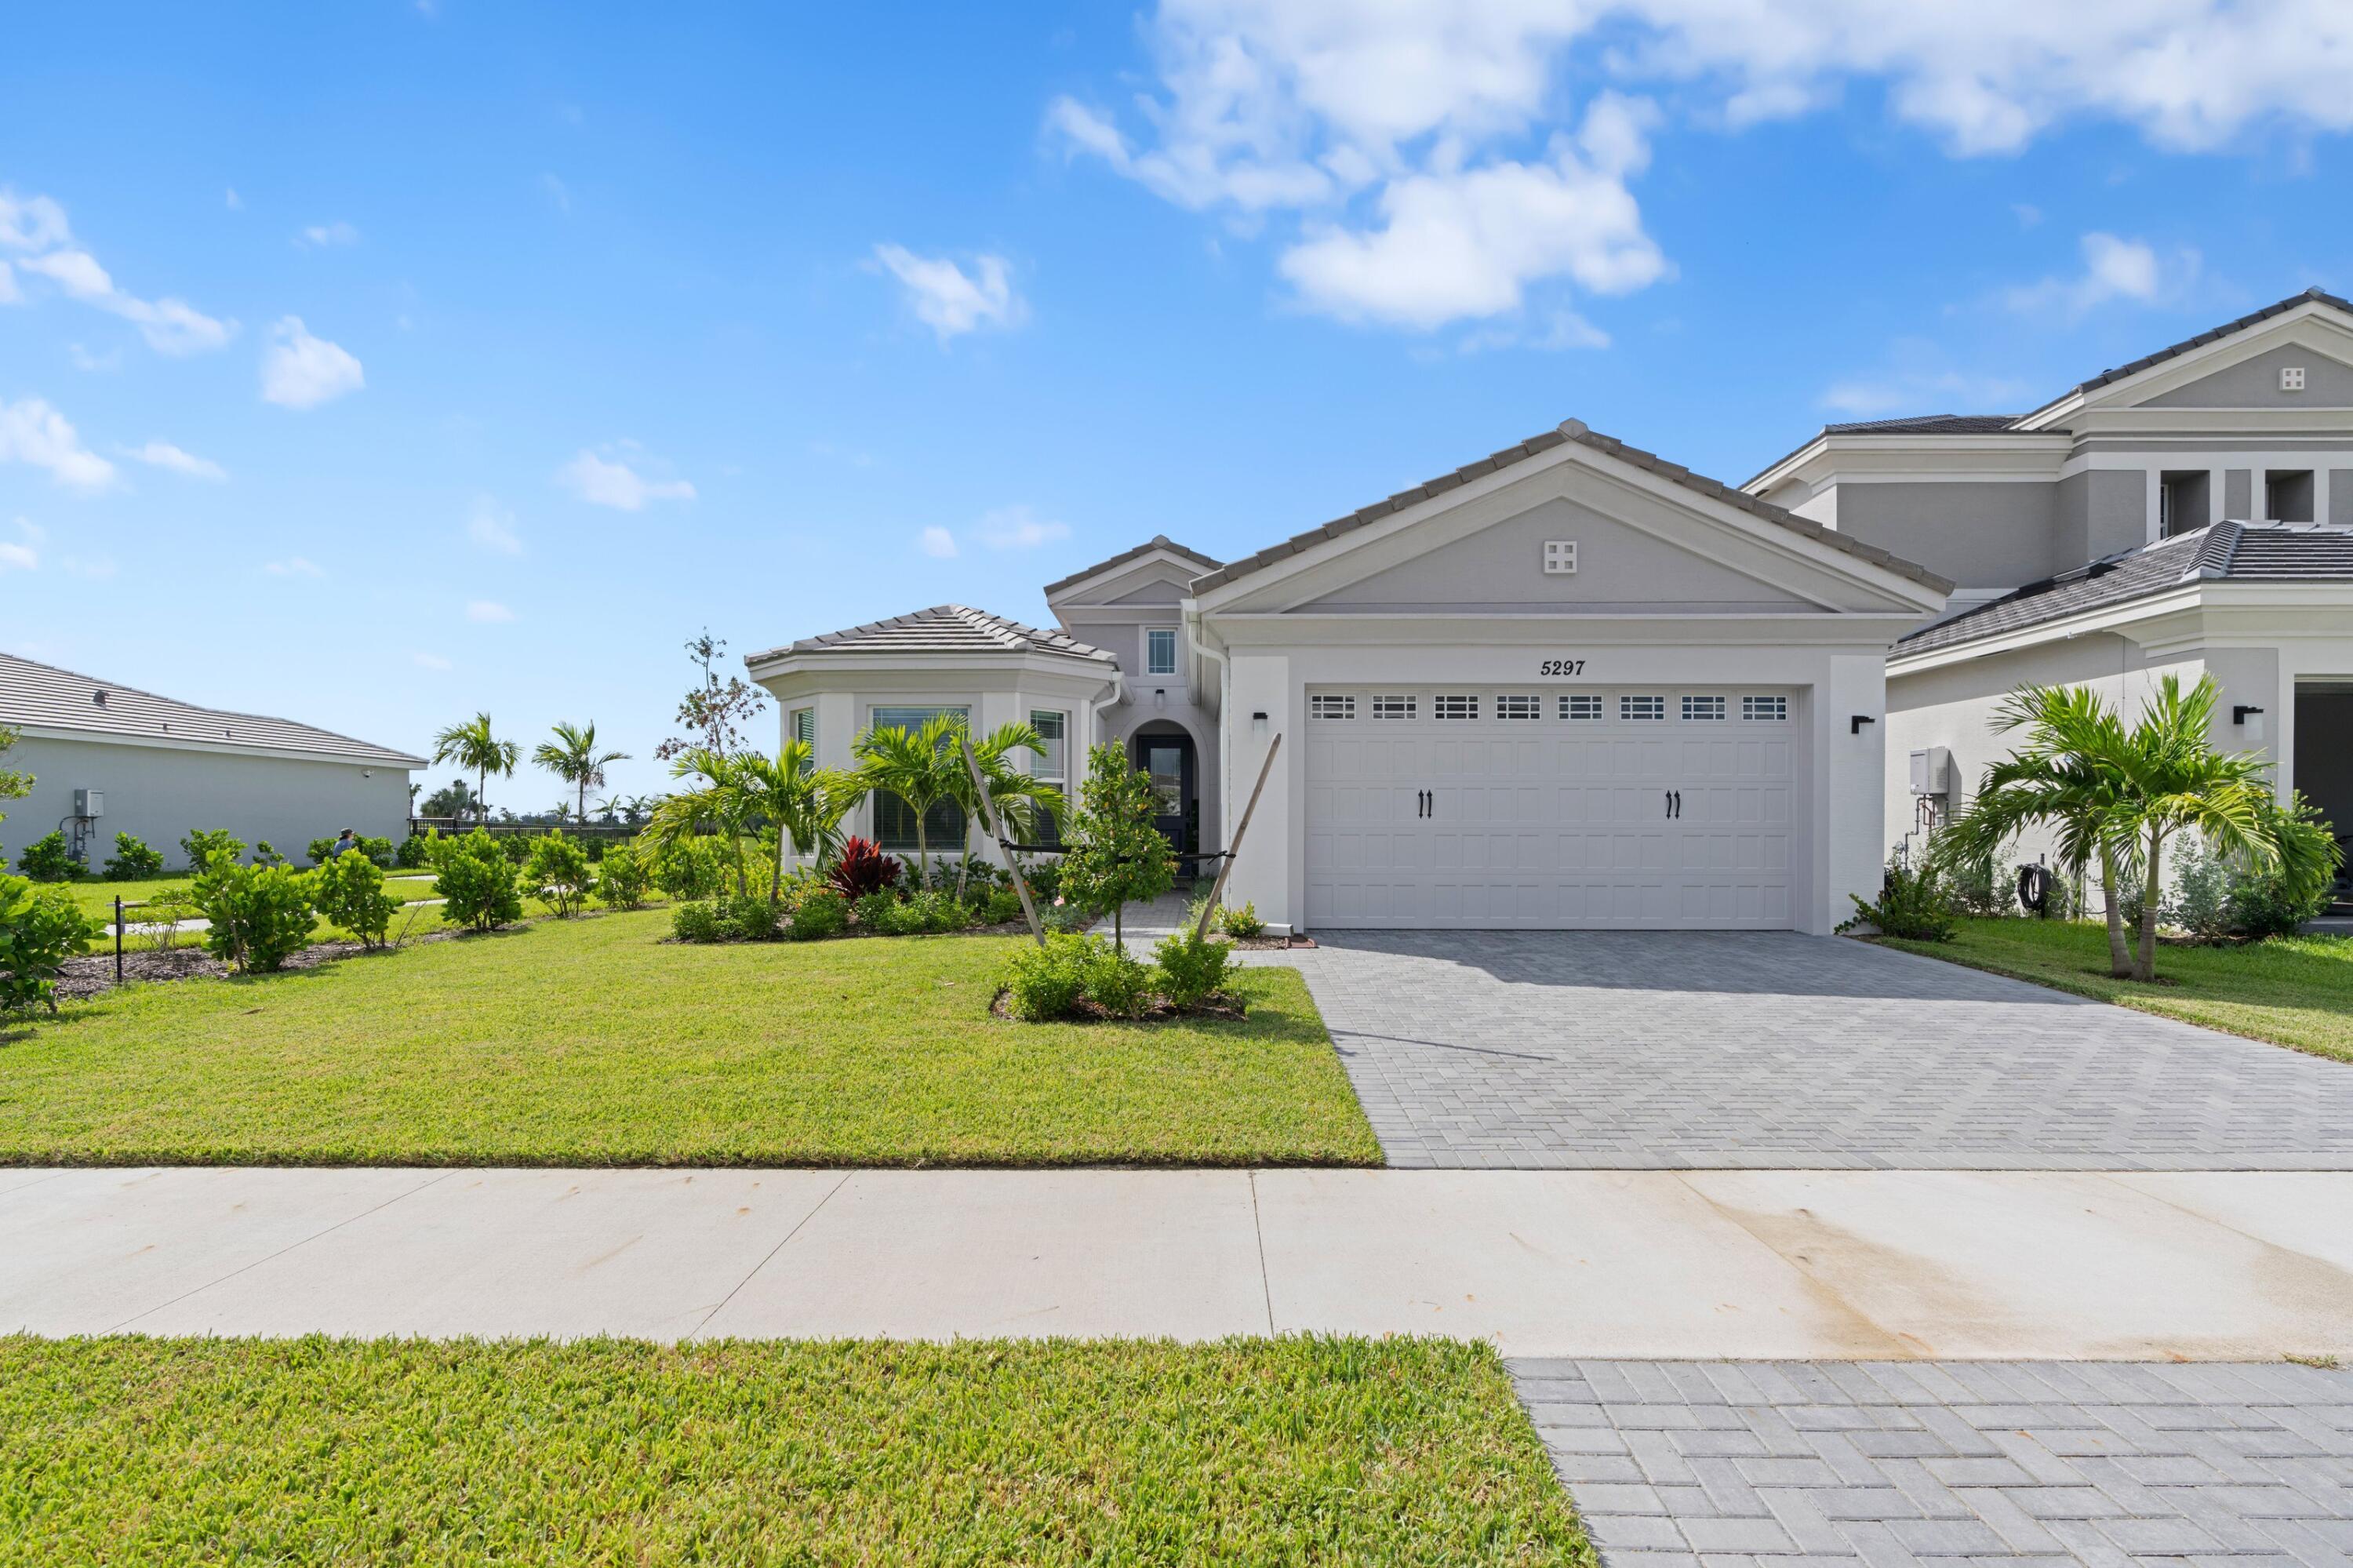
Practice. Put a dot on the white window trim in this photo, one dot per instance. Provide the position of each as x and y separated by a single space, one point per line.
1176 650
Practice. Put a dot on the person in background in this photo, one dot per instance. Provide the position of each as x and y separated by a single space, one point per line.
346 841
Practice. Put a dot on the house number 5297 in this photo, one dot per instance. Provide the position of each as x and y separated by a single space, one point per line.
1562 667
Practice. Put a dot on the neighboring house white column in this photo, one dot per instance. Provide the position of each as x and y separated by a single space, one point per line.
1849 838
1271 870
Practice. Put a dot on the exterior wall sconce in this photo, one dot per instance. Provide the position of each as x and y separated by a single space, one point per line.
1258 726
1854 724
1160 696
2240 711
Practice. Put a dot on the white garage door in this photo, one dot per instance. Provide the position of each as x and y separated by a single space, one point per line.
1635 807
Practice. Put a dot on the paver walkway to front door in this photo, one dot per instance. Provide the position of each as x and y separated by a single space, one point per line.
1690 1050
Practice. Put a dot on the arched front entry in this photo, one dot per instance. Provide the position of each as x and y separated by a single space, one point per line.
1166 752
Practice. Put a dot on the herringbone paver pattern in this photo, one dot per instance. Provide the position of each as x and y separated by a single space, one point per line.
1678 1050
1764 1464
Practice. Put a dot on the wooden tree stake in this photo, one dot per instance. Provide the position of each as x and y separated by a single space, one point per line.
1226 868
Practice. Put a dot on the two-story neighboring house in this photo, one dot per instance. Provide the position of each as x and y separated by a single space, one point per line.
2191 511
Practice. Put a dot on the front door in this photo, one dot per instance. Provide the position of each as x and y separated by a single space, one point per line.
1169 761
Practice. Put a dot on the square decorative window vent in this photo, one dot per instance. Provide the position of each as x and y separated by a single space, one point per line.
1775 709
1393 707
1332 706
1454 705
1702 707
1584 705
1641 707
2291 380
1560 556
1519 706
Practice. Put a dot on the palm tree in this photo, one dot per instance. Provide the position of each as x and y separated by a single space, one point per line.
2120 795
805 802
916 767
713 802
471 744
1019 798
573 756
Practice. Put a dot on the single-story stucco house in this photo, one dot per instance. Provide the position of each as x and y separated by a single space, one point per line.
1574 686
110 759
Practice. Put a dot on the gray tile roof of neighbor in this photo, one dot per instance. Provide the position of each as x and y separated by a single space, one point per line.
2252 318
1926 425
2226 552
44 696
1157 542
943 628
1577 431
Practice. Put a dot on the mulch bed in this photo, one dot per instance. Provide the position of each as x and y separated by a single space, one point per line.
1226 1007
80 978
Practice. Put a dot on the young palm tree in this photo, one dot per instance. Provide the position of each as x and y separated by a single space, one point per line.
915 767
1017 797
805 802
2120 795
573 756
716 802
471 744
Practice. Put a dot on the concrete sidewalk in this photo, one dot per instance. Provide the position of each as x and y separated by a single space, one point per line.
1738 1265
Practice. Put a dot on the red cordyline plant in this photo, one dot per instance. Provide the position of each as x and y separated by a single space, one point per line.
862 868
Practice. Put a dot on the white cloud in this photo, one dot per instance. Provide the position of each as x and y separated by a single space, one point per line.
1561 330
235 202
492 528
430 661
83 359
169 326
558 194
321 235
601 482
939 543
1301 114
487 612
36 434
18 554
950 300
31 223
1918 380
1018 528
164 454
98 569
299 371
294 566
2113 269
10 294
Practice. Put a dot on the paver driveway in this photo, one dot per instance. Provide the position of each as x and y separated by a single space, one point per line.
1775 1465
1675 1050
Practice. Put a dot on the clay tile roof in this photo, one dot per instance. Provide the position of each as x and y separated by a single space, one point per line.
2231 552
1157 542
44 696
1569 430
943 628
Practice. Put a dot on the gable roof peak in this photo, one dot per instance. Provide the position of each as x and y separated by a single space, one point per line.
1157 542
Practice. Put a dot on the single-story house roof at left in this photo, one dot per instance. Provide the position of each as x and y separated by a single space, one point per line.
42 699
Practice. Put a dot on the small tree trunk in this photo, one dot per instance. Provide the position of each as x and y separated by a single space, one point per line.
2145 966
2119 956
923 857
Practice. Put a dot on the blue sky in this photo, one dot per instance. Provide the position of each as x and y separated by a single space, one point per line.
376 363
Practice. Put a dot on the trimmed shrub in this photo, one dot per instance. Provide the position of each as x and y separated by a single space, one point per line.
690 867
47 859
1114 979
1002 905
1914 904
1044 983
1192 969
40 928
1045 880
2275 903
165 910
862 869
698 920
134 861
378 848
622 876
2201 894
516 846
415 853
1980 890
349 892
558 872
203 845
1242 924
265 854
260 915
479 881
875 910
821 912
320 851
749 916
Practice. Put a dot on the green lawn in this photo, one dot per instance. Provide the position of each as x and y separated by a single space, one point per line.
592 1042
1285 1451
2295 992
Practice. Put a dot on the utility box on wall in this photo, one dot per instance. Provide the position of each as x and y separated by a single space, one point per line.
89 803
1932 771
